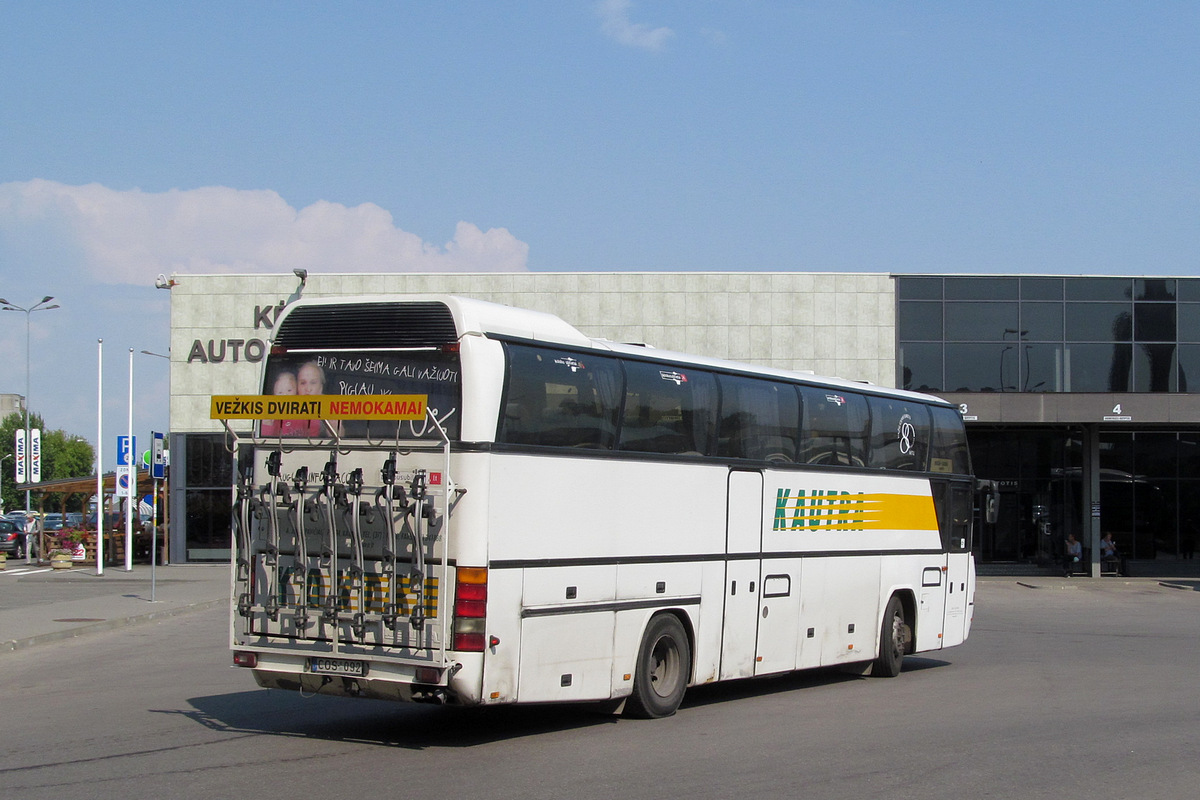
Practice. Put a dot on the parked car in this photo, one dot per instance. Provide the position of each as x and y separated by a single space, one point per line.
12 538
53 522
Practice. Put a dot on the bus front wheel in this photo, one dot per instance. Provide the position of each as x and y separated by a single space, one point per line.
661 673
894 637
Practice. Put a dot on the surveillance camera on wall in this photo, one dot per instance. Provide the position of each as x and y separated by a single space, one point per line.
161 282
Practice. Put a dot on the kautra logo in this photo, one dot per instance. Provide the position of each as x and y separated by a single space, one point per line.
827 509
835 510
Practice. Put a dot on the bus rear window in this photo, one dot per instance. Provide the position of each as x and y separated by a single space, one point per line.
432 373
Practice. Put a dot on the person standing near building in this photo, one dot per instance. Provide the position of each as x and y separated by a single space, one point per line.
1072 555
1108 555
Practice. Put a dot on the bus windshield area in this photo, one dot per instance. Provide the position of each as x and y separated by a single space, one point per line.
430 372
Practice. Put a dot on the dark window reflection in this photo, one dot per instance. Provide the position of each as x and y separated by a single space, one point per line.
1154 322
1041 288
1099 367
1155 368
1043 322
1154 289
1188 516
919 288
921 367
1188 359
1116 453
1099 322
1189 453
207 462
1107 335
1188 289
920 321
1155 454
207 514
981 288
967 322
1188 322
1099 288
982 367
1042 368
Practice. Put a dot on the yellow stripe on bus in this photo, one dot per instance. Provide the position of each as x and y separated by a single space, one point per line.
855 512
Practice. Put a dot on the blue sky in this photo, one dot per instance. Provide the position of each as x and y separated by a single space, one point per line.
139 138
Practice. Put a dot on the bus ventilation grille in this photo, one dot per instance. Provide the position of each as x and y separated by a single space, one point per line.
333 327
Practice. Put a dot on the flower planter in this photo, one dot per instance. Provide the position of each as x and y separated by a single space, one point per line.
61 561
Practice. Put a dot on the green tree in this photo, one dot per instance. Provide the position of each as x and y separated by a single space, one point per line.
64 455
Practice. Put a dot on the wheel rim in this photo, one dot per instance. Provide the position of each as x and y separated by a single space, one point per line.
899 633
665 667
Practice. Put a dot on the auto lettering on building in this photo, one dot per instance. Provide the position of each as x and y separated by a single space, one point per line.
216 351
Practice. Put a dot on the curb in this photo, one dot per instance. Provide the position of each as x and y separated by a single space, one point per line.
13 645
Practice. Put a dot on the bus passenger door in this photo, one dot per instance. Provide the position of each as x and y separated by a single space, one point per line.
743 550
960 582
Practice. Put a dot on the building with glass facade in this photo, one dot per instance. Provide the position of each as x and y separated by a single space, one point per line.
1076 395
1075 389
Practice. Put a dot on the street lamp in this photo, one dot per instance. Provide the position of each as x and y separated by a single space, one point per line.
154 509
38 306
2 460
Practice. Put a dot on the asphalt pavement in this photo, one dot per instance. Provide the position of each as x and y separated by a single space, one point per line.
40 605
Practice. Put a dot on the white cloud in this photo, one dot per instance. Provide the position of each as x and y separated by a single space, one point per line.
131 236
614 16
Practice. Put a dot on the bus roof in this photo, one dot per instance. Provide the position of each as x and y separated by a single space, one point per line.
496 320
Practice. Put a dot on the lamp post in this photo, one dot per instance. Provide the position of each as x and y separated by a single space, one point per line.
154 510
38 306
2 460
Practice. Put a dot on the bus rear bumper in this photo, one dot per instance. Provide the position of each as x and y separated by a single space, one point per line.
398 682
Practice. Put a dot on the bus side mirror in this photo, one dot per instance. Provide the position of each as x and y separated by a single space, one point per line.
990 500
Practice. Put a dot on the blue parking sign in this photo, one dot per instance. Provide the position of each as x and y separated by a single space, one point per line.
126 447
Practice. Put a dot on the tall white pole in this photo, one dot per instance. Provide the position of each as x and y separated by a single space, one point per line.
99 456
40 305
29 450
131 507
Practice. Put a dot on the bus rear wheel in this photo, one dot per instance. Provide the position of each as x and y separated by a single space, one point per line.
661 674
894 637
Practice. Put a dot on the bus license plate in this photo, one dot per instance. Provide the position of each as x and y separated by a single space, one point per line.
337 666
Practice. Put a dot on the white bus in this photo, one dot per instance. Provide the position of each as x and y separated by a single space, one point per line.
574 519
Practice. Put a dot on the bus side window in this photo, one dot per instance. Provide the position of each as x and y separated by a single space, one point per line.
668 410
899 433
948 448
835 427
759 420
560 399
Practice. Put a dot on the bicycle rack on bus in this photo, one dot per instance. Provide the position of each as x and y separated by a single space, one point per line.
354 507
300 509
391 500
304 506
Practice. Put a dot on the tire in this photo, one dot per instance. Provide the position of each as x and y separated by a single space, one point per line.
663 666
894 637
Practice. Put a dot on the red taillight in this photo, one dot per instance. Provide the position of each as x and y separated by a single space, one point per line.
470 600
470 609
243 659
469 642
